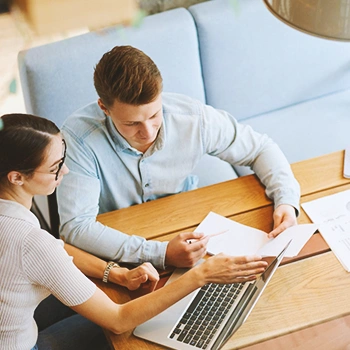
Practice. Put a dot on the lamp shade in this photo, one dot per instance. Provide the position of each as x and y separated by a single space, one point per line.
329 19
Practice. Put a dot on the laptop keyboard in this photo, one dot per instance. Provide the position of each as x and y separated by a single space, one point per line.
205 314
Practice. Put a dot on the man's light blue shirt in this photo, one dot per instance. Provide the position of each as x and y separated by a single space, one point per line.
106 173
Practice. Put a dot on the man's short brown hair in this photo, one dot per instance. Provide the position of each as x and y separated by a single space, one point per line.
128 75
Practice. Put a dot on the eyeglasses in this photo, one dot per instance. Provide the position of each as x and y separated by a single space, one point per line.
60 165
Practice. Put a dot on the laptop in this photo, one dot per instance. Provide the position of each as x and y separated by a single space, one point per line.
209 316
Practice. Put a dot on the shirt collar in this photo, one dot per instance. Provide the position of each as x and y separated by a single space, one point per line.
17 211
122 145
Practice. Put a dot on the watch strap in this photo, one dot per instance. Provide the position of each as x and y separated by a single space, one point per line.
107 270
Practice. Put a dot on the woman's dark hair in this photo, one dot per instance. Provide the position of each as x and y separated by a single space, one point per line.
23 141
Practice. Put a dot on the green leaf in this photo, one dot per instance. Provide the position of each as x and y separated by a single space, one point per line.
235 6
13 86
138 18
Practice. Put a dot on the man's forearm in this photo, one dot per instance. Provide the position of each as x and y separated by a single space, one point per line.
111 244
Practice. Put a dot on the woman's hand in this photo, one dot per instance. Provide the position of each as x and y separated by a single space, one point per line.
132 279
223 268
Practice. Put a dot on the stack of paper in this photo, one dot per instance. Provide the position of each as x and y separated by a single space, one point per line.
239 239
333 214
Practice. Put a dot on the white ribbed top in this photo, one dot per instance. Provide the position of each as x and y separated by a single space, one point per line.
33 264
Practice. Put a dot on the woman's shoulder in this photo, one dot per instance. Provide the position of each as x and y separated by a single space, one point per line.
37 239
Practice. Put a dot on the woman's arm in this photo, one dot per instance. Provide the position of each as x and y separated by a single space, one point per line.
93 266
218 269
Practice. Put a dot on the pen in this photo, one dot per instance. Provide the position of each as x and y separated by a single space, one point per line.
210 236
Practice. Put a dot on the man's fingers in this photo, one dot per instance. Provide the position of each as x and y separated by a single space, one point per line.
284 216
276 232
280 228
191 236
197 244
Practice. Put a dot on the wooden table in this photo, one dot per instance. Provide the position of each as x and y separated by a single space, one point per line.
306 291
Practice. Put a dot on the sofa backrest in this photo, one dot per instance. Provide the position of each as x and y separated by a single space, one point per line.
57 78
252 63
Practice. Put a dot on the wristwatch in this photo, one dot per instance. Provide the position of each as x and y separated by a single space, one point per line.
108 268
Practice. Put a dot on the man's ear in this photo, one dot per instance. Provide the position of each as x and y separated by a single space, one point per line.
102 106
15 178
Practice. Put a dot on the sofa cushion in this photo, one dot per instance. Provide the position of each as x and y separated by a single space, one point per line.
308 129
253 63
57 78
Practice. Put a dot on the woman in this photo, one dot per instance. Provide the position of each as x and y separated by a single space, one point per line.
33 264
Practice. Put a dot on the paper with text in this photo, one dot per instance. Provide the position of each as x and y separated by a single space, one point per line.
245 240
333 214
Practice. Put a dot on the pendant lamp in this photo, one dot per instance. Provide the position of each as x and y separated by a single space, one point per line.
329 19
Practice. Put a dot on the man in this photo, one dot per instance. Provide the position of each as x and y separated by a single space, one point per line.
138 144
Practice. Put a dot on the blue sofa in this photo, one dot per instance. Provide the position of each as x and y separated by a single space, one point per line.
232 55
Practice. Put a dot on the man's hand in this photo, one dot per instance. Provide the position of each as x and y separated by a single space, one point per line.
284 216
132 279
181 253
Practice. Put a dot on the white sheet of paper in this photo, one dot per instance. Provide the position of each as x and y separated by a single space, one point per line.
329 207
333 214
299 235
238 240
337 234
244 240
